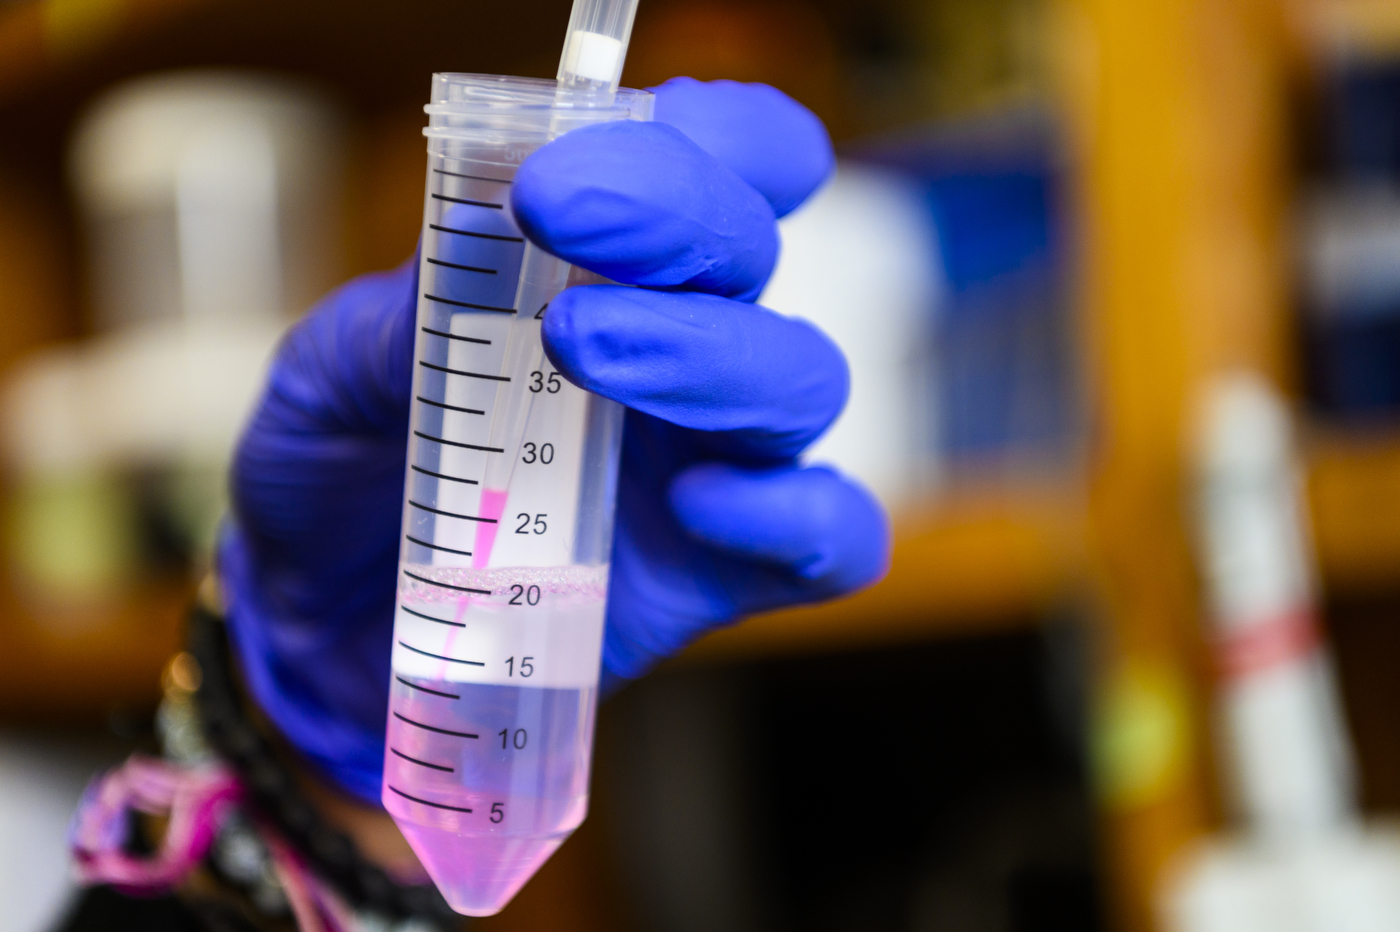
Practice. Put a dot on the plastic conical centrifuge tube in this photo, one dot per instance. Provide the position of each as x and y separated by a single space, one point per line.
507 522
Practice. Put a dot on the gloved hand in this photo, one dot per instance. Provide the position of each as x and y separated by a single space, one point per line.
716 518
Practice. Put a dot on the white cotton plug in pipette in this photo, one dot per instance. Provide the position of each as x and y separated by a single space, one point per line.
508 498
596 45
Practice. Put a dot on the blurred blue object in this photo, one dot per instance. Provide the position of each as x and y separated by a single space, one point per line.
1004 343
1350 236
1364 119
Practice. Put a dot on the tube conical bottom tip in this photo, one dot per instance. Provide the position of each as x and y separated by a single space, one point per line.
478 874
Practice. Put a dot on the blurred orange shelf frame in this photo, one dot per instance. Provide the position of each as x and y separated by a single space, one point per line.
67 663
976 563
1354 488
39 36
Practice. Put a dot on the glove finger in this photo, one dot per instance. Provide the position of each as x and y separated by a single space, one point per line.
811 522
642 204
764 384
697 550
764 136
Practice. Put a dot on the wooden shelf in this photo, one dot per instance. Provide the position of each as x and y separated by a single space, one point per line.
1354 490
980 562
977 562
70 662
1363 27
41 36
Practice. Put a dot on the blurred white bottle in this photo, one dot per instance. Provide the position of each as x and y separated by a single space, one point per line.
1303 861
860 260
209 206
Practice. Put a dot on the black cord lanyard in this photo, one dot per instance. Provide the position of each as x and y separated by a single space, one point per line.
274 794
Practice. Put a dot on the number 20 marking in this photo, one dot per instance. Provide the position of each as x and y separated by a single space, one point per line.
531 594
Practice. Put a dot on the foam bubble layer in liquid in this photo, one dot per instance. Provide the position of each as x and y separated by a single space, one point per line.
491 716
475 625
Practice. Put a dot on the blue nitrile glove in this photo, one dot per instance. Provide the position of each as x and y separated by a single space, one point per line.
716 519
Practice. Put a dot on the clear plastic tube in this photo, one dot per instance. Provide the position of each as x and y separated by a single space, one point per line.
507 521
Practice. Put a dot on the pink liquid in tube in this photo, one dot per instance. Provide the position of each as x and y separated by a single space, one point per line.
493 505
532 771
487 778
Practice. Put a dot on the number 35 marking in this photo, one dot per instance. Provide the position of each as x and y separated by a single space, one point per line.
539 383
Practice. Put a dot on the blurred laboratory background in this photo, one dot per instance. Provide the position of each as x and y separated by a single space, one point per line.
1120 288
